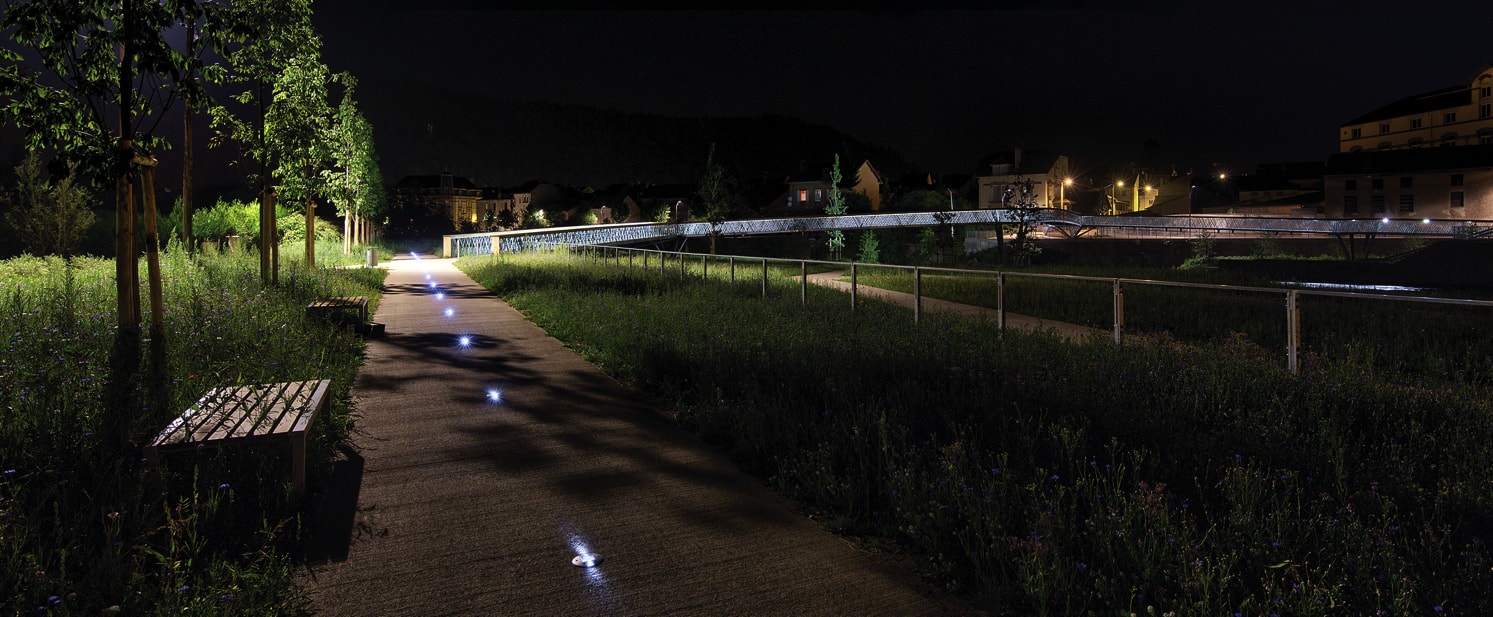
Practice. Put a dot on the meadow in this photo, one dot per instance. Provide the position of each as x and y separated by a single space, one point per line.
1038 477
86 527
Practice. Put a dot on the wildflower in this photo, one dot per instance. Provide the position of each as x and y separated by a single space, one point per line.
223 485
183 588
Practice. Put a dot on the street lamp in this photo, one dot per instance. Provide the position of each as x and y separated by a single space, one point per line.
1066 183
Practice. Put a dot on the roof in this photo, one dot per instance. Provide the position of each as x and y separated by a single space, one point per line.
1409 160
433 181
1435 100
1032 161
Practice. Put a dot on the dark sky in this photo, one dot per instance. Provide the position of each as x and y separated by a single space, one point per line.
944 86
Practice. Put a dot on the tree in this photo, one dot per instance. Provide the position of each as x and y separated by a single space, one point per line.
870 248
274 33
836 207
49 218
716 198
107 78
298 136
1022 208
353 183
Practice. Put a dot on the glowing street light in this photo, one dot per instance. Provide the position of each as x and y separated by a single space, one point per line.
1066 183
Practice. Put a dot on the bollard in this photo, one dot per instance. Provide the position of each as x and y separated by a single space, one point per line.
372 258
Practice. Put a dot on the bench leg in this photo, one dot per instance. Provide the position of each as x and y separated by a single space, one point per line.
298 464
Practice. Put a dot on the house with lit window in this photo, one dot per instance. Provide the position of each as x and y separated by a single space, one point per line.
1436 183
1047 172
808 190
1460 115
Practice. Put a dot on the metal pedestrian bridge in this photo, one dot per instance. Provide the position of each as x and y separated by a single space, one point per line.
1065 222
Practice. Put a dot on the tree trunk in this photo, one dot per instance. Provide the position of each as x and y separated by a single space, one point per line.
347 231
186 153
310 233
266 233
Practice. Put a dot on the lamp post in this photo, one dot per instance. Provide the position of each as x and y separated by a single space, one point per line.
1065 183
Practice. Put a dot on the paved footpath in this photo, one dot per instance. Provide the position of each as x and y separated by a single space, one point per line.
488 468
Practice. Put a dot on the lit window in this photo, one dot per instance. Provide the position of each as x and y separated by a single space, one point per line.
1456 199
1350 204
803 194
1407 203
1456 179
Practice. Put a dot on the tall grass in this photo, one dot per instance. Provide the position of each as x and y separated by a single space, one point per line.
85 527
1039 477
1396 337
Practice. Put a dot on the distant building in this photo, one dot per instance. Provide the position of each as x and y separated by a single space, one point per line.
808 190
1438 183
1275 189
1460 115
1046 171
453 197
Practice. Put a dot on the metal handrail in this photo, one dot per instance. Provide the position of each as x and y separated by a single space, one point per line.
1291 296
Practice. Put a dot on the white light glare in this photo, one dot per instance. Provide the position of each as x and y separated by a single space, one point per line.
440 295
1385 219
1425 221
464 341
450 311
495 395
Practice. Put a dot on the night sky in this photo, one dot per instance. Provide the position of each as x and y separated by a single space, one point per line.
1232 86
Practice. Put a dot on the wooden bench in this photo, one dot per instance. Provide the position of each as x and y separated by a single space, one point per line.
248 414
326 306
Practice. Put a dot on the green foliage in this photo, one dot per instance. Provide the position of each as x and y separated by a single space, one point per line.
275 34
870 248
353 182
1043 477
83 526
536 219
922 200
1266 246
298 129
836 207
588 217
48 218
1204 251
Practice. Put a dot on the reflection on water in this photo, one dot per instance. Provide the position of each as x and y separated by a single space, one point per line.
1350 287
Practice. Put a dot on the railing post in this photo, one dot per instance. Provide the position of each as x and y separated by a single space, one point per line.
917 294
731 263
661 260
1119 310
852 286
1000 301
803 278
681 265
1293 331
704 268
764 277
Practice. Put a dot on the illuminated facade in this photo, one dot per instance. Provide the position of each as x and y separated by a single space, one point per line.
1046 172
453 196
1460 115
1436 183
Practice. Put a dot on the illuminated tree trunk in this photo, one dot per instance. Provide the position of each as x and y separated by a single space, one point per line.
310 233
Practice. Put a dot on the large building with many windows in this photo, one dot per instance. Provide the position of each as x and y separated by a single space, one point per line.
1435 183
1461 115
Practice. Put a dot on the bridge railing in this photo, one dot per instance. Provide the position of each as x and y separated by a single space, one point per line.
487 243
1291 298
